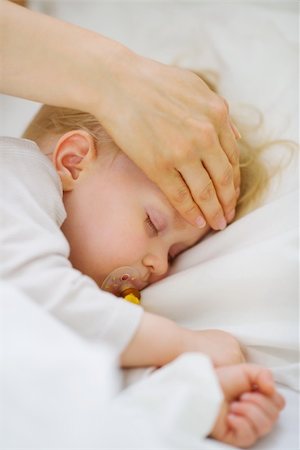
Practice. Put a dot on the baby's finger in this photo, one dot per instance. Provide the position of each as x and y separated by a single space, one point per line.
260 379
265 403
276 401
279 400
271 405
261 422
265 382
242 433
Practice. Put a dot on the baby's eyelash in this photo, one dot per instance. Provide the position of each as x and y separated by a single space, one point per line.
150 224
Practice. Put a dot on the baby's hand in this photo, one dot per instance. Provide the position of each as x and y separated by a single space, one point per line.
251 405
221 347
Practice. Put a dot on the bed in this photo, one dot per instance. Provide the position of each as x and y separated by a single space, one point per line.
252 265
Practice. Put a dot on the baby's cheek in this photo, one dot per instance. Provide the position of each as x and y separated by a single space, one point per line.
132 248
124 247
156 278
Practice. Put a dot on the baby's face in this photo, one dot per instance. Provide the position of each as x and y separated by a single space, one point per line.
117 217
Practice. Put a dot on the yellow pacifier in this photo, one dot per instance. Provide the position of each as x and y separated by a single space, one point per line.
123 283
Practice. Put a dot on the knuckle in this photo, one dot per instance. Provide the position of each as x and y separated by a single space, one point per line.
227 176
190 211
217 215
160 163
181 195
183 153
207 192
207 134
190 153
233 156
165 163
178 153
220 110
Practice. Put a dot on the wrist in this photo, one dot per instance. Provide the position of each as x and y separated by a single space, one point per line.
108 64
190 342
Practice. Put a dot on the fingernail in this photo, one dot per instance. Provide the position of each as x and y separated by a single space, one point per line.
222 223
200 222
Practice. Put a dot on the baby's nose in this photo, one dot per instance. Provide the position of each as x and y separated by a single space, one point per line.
157 263
161 266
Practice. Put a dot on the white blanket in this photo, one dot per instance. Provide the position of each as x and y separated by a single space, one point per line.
244 279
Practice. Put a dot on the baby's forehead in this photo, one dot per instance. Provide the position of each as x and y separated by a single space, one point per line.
178 221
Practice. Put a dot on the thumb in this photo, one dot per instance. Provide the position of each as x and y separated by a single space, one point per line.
235 380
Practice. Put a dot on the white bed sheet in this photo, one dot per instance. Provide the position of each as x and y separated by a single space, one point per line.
252 265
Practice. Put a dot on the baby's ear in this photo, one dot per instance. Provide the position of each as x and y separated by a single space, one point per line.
73 153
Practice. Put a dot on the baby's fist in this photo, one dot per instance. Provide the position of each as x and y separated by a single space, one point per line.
251 405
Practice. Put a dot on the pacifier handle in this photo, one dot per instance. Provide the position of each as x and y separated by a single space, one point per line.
120 280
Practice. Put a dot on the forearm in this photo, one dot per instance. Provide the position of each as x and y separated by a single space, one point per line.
157 342
50 61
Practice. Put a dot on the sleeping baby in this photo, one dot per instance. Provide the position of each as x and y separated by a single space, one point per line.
76 211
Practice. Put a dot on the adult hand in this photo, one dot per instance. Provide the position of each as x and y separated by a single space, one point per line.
251 404
179 132
164 118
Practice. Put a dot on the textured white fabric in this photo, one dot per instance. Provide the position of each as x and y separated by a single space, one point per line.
34 251
55 386
60 391
179 402
253 46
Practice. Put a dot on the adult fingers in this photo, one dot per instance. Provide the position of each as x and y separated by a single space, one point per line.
221 173
179 195
204 194
229 145
236 132
228 136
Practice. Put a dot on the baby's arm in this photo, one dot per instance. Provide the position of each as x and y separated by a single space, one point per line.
251 405
159 340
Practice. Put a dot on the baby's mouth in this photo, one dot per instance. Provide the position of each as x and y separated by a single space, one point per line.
122 279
